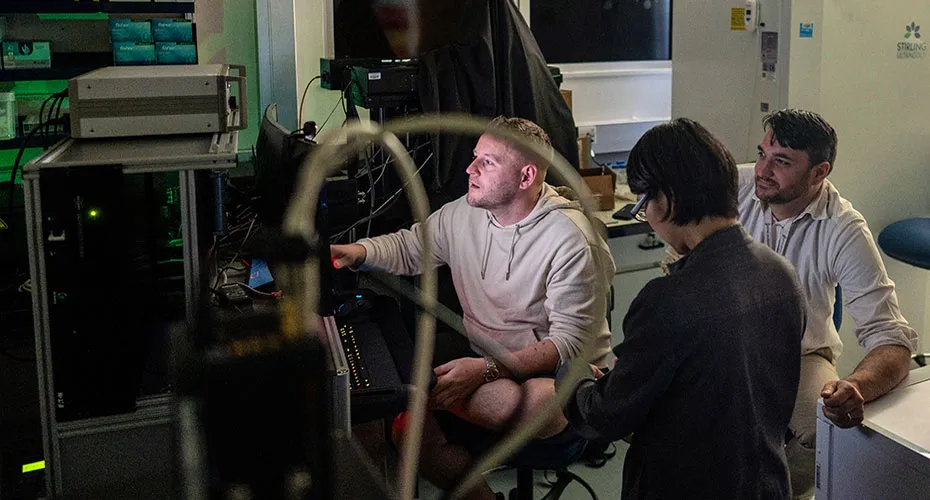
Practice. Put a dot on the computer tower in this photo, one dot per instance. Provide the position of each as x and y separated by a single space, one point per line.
113 259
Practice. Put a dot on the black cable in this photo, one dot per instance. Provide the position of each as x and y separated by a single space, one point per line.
45 119
341 99
25 143
42 109
58 116
19 157
300 110
385 206
371 204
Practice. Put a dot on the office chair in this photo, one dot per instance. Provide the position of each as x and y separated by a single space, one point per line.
908 241
556 454
838 308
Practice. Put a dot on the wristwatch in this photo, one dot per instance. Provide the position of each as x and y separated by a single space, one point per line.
491 371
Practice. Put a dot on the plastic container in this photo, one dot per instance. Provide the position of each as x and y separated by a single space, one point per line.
7 115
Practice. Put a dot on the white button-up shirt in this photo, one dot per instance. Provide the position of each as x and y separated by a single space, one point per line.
829 243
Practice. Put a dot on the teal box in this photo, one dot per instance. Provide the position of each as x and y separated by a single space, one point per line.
26 55
176 53
130 30
173 30
133 53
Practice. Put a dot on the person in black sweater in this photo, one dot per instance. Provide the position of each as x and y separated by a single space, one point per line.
707 373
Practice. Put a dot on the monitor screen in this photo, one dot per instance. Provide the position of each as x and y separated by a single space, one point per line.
602 31
393 29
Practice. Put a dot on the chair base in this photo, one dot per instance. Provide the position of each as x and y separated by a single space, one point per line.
524 489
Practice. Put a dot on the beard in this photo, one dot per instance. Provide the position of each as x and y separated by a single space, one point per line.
778 195
490 197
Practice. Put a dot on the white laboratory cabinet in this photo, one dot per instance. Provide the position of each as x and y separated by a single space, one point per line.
885 458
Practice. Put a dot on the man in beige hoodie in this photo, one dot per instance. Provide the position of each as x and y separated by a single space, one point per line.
531 274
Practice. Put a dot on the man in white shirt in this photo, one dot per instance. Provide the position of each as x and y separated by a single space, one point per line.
789 205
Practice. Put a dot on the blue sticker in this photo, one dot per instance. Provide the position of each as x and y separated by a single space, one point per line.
807 30
259 274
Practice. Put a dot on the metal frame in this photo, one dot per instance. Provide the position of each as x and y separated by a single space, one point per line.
207 152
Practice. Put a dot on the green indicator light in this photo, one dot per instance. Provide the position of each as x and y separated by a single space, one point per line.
34 466
93 213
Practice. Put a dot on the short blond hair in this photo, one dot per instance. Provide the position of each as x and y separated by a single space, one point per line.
523 128
530 131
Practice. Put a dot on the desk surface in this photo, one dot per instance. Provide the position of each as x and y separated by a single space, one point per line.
903 414
615 227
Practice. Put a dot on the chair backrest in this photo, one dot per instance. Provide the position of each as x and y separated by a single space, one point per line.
838 308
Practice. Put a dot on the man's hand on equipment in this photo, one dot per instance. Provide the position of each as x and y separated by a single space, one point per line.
455 381
843 403
352 255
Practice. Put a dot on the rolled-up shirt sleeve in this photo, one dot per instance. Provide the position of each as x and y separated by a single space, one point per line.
868 293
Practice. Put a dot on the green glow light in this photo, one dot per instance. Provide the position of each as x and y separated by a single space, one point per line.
34 466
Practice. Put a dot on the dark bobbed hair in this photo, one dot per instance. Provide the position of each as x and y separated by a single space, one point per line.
804 131
692 168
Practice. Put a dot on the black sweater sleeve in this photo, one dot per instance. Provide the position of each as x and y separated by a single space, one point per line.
619 402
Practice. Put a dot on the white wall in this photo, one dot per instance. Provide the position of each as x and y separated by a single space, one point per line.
621 100
309 39
877 104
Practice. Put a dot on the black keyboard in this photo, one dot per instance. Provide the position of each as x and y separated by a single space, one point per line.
379 352
359 377
371 363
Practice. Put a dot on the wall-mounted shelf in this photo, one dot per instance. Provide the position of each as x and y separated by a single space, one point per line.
65 66
35 142
24 75
71 7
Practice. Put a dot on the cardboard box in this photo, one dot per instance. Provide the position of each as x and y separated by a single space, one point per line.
567 95
26 55
584 152
601 183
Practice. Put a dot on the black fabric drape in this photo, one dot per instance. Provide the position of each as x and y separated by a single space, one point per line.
494 67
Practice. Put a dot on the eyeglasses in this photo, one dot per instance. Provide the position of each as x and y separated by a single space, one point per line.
639 209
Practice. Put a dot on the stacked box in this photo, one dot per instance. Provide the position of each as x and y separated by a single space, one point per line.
173 30
174 41
130 30
133 53
175 53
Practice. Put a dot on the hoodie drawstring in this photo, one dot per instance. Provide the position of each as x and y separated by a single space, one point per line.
487 250
513 244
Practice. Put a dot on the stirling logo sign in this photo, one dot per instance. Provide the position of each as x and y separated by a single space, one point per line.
912 47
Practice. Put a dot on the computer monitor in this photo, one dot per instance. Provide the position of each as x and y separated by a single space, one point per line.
278 157
386 29
602 31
